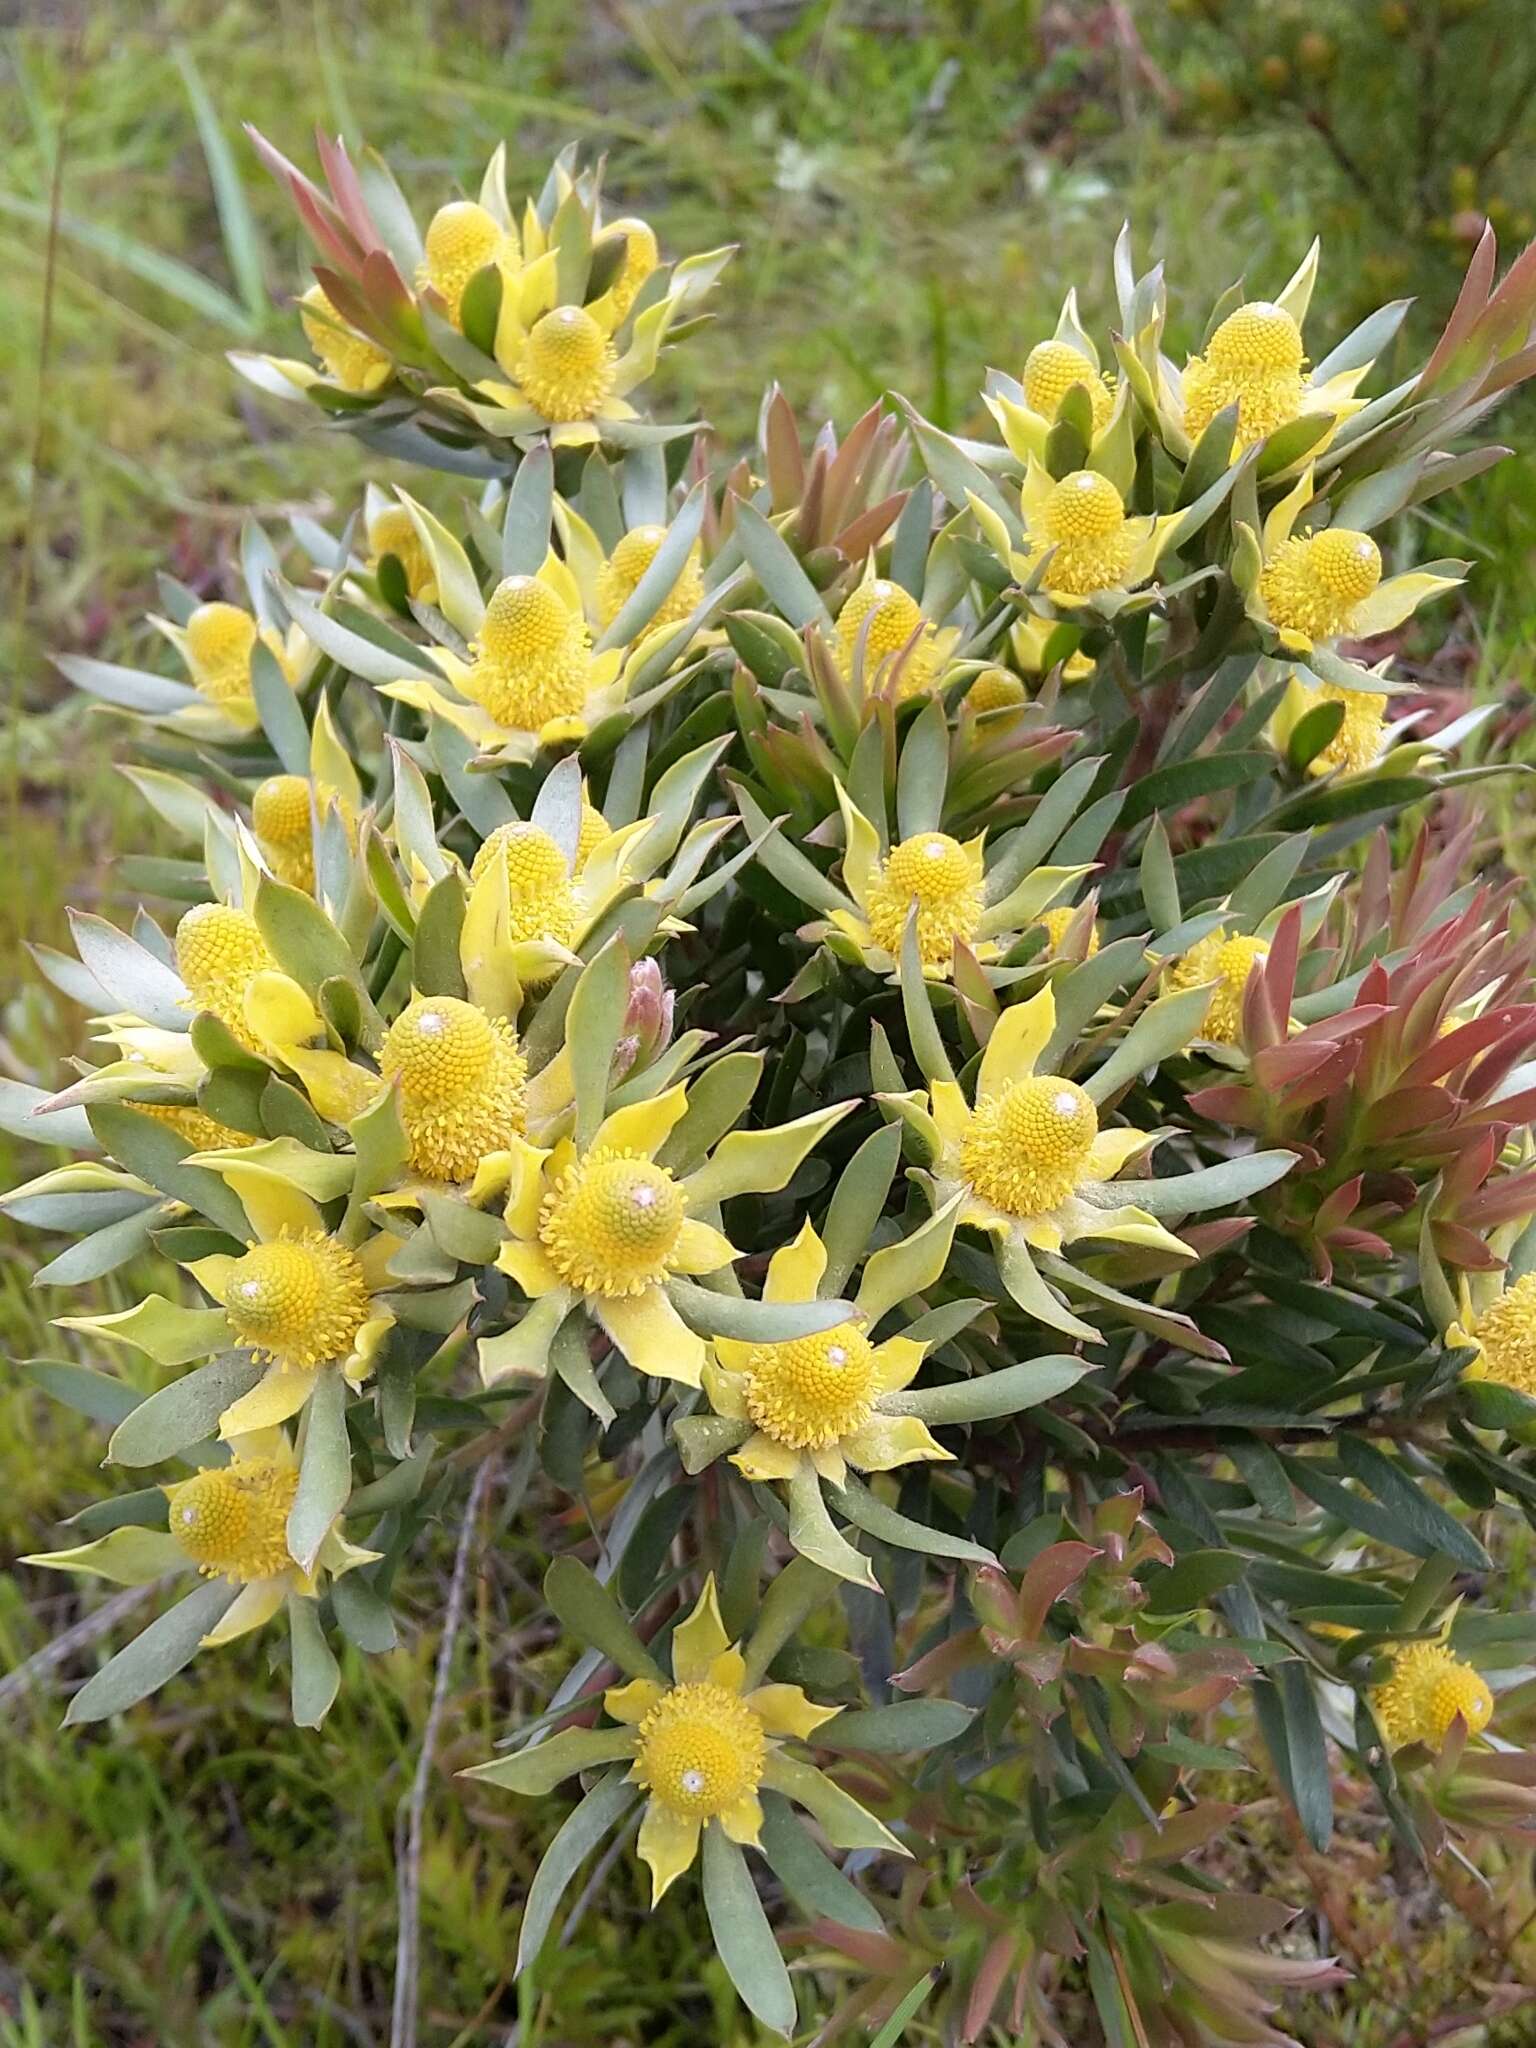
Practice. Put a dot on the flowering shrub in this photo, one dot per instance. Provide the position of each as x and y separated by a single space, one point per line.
899 1022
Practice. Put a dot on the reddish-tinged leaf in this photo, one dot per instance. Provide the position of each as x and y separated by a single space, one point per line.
1512 1195
1404 1110
1228 1102
808 520
1459 1246
987 1984
865 532
1048 1576
1341 1203
941 1664
329 234
847 468
877 1953
1471 303
781 452
1360 1244
1468 1170
289 174
352 307
1182 1832
346 191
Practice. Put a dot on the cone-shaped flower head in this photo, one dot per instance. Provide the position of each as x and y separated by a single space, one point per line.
996 689
1254 359
938 877
1051 370
1055 924
393 532
232 1520
1027 1148
893 617
282 817
350 359
542 904
1314 583
1226 958
566 366
1083 519
1504 1337
297 1301
628 563
462 238
1426 1690
612 1221
219 950
462 1083
220 640
533 656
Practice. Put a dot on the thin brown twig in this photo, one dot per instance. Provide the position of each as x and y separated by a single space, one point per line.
412 1814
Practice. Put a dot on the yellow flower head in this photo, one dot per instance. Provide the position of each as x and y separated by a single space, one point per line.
201 1131
462 239
541 901
219 950
1027 1148
700 1751
232 1520
533 656
1426 1690
941 879
996 689
595 828
1082 518
393 532
1228 960
298 1301
1314 583
462 1083
1050 372
810 1391
628 563
641 256
1255 359
1356 746
350 359
894 616
566 365
220 640
1505 1336
611 1223
282 819
1055 922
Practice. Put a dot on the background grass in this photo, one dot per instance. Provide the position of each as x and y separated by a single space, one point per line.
914 188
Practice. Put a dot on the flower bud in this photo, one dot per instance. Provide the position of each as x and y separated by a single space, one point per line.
647 1020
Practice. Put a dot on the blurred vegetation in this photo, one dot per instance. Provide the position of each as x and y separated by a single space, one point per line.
914 188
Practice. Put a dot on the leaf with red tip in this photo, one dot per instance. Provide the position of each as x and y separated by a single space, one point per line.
1048 1577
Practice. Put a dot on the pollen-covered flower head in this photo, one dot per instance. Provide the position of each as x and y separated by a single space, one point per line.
809 1391
889 617
1083 519
1357 745
640 258
566 366
1227 959
297 1301
1255 359
1427 1688
462 1080
1315 583
350 359
540 896
621 573
700 1751
996 689
1051 370
1028 1146
461 239
939 878
533 660
1055 924
1504 1337
282 817
220 640
392 531
201 1131
611 1223
232 1520
219 950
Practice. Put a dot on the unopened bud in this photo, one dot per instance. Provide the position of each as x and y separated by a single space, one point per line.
647 1020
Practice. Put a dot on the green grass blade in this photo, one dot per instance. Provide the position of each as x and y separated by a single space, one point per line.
242 237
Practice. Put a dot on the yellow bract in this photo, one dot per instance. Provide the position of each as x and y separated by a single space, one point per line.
298 1301
462 1081
232 1520
1228 960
